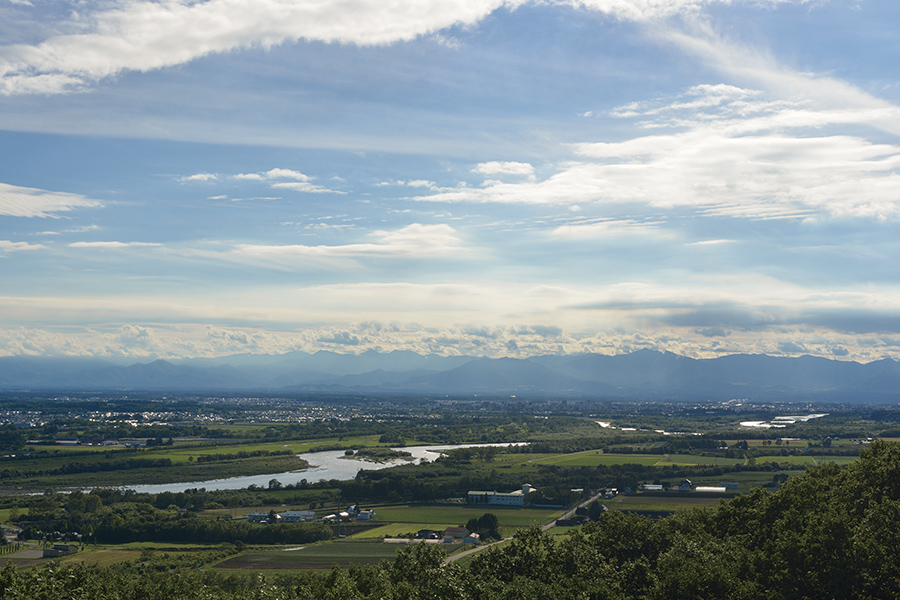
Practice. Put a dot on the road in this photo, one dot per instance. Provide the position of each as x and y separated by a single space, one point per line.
545 527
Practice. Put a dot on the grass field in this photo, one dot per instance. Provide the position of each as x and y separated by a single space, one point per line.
644 502
177 454
393 530
806 460
316 556
593 458
102 557
448 515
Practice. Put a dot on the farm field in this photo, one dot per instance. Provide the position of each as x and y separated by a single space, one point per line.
810 461
450 515
183 454
103 557
593 458
316 556
646 502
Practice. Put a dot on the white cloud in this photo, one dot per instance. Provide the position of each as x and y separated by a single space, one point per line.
645 10
420 183
302 186
113 245
412 241
287 174
276 173
724 151
277 178
200 177
144 36
8 246
504 168
711 243
18 201
607 228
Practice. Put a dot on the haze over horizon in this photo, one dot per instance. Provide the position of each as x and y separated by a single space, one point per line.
186 178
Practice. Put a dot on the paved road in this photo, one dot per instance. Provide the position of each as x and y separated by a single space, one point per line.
545 527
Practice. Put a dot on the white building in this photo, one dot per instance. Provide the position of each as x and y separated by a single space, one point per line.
516 498
297 516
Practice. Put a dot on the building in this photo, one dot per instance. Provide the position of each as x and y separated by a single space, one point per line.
472 538
258 517
365 515
516 498
453 535
297 516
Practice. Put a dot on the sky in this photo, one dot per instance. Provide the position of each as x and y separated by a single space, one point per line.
199 178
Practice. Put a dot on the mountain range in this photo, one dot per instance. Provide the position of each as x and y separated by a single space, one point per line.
643 374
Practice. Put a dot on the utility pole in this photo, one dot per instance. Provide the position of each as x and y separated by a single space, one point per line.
339 512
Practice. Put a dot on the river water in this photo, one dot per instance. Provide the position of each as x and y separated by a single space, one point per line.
322 465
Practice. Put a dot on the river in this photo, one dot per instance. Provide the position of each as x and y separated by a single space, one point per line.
322 465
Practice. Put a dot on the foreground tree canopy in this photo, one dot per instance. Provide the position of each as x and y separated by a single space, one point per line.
829 533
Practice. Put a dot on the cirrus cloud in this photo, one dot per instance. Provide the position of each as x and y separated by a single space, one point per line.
724 151
144 36
16 201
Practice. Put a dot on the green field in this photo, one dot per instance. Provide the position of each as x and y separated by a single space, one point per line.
450 515
316 556
182 454
807 460
593 458
647 502
392 530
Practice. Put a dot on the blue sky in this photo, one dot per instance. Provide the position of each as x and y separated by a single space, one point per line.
205 177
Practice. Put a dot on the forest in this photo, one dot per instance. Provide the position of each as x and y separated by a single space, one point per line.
827 533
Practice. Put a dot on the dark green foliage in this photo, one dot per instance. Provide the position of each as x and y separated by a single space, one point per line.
487 526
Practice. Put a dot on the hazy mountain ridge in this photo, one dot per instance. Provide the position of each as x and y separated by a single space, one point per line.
642 374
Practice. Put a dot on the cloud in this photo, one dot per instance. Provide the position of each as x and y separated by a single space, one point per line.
277 178
710 242
791 348
276 173
187 339
199 177
302 186
414 241
145 36
504 168
18 201
113 245
606 228
341 338
287 174
7 246
420 183
723 151
713 332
